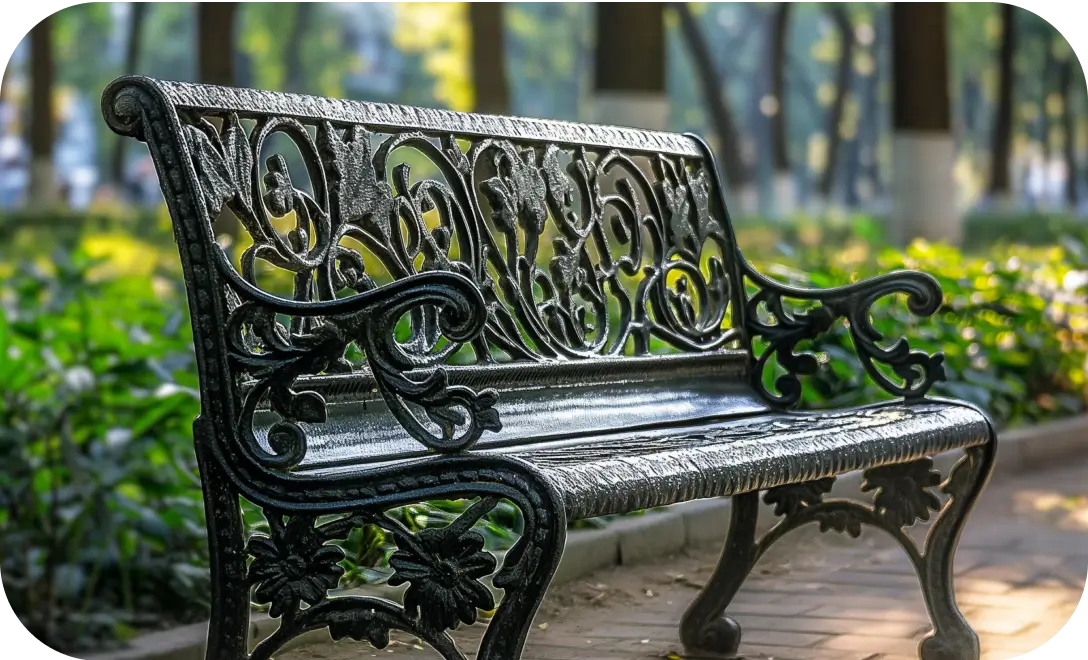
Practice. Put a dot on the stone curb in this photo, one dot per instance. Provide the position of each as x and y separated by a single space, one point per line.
659 532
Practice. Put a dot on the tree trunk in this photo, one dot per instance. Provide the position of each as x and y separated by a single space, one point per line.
1065 84
737 175
842 91
873 110
852 173
132 58
215 42
215 66
785 194
43 185
292 57
1001 141
1051 79
629 85
1050 68
972 101
924 194
4 69
489 58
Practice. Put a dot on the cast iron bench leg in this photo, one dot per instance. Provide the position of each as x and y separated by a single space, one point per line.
442 566
705 629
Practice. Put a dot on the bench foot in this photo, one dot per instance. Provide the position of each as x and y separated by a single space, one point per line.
719 638
903 496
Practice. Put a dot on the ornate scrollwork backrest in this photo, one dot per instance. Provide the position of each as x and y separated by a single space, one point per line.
415 238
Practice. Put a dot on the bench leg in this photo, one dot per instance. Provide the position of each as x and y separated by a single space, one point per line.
294 568
705 629
903 496
228 628
952 637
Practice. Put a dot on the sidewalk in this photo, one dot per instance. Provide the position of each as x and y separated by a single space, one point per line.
1020 573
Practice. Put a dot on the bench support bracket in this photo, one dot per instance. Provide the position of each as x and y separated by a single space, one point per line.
903 496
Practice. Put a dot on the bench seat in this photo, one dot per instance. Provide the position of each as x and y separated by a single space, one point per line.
671 465
609 473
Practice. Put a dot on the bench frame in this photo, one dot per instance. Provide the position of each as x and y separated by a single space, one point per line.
293 565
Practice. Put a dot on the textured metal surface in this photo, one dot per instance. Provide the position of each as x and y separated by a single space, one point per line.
390 116
590 277
632 471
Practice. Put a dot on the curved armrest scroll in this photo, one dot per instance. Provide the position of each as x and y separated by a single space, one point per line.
368 319
917 369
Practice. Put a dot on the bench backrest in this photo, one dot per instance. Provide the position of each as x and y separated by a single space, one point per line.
591 251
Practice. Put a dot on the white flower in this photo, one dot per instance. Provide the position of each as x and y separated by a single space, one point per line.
117 437
138 335
1075 280
79 378
51 359
170 389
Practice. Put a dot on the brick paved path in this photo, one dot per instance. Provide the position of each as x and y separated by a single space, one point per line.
1020 573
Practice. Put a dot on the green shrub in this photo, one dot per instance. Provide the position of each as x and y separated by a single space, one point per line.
101 517
983 230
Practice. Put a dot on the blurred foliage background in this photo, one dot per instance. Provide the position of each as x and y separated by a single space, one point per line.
101 518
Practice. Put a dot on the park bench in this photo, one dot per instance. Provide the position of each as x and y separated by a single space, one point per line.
423 305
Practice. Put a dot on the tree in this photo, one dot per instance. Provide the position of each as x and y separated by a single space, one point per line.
1001 140
43 187
294 80
1065 87
4 70
784 190
215 65
737 174
871 112
132 57
215 42
489 58
629 80
843 72
924 199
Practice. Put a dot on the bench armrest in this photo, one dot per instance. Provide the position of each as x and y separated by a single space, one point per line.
916 369
369 320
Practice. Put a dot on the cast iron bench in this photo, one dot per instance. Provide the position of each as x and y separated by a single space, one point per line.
439 305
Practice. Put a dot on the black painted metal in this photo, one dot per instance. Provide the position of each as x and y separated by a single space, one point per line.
441 273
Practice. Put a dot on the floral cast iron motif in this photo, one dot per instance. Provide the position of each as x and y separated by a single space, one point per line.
296 564
903 496
531 253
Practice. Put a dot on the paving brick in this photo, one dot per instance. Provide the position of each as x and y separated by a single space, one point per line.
837 626
1020 599
873 645
780 638
994 622
861 613
768 651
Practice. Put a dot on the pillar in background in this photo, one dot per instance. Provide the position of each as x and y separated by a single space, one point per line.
925 198
629 86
